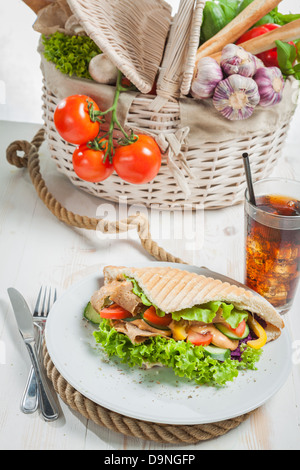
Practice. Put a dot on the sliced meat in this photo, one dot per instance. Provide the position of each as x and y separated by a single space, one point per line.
142 325
134 333
101 298
124 297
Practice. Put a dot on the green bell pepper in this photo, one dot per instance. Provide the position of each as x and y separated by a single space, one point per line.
216 15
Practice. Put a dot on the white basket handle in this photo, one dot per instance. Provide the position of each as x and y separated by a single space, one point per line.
194 42
179 58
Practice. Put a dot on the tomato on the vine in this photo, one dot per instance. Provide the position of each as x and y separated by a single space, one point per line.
74 121
139 162
89 164
270 57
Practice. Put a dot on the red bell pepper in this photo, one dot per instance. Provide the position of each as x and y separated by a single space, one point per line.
269 58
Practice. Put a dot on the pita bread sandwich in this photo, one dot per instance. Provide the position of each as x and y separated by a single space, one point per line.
204 329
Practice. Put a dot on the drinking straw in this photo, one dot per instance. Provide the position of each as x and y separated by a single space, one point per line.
249 179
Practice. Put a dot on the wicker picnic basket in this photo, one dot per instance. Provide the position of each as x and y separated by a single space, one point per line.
203 171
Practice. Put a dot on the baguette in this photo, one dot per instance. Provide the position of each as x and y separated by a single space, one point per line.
237 27
286 33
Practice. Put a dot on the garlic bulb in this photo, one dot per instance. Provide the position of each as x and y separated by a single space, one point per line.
270 84
235 60
208 75
236 97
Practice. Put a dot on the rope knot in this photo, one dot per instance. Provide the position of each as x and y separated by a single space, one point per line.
23 146
12 153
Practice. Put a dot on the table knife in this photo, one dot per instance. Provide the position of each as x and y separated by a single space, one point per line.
26 327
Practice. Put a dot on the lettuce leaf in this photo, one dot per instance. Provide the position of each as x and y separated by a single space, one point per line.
207 312
138 291
204 313
70 54
186 360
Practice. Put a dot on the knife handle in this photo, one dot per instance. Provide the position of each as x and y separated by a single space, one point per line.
46 400
29 402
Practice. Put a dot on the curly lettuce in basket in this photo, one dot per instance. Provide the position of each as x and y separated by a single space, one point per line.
186 360
70 54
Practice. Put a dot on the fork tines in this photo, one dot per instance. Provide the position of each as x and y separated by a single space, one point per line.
46 298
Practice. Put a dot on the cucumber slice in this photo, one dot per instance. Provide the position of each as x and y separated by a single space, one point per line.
130 319
91 315
227 332
158 327
217 353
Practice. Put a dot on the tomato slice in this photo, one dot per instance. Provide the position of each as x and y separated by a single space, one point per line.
114 312
197 339
240 330
151 316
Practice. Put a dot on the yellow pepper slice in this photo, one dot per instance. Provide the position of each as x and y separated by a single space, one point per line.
260 333
179 331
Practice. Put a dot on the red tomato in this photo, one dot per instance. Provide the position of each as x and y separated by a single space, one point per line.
125 82
89 164
197 339
115 312
269 58
138 163
73 122
240 330
151 316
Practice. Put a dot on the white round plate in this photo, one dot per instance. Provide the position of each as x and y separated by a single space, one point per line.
155 395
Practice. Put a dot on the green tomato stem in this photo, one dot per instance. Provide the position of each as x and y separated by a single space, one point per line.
108 137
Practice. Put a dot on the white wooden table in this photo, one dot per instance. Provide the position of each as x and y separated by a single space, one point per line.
36 248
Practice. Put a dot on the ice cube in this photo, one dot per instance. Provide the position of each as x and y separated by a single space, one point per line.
286 254
285 269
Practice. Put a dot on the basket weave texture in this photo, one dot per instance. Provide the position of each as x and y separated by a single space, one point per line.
205 173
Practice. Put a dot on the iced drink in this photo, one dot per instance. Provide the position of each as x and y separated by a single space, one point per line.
273 246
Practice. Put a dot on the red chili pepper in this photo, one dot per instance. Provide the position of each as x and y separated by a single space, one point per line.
269 58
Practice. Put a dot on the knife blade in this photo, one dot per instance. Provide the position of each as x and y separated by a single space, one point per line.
26 327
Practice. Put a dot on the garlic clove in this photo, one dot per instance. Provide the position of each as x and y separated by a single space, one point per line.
259 63
208 75
236 97
270 84
235 60
102 70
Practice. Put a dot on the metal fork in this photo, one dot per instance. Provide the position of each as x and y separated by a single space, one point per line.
30 401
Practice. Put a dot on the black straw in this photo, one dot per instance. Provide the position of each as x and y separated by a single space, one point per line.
249 179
